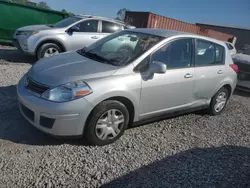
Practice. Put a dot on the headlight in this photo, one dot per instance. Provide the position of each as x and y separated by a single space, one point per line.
67 92
27 33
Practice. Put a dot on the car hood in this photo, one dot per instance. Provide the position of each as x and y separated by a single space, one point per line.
241 58
68 67
35 28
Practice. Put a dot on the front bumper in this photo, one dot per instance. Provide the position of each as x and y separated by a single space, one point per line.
21 44
57 119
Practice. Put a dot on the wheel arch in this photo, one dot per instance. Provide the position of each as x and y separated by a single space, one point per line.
55 41
124 100
228 86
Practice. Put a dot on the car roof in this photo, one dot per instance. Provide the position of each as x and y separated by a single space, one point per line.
168 33
82 16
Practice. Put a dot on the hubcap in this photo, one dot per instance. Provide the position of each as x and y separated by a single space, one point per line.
110 124
220 101
50 52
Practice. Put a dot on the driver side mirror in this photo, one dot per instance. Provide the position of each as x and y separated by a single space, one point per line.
74 29
156 67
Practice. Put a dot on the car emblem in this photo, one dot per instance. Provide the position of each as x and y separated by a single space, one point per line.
26 82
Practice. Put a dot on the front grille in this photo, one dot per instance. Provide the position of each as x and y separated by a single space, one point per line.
47 122
27 112
34 86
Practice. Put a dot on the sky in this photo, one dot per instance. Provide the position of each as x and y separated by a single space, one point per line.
222 12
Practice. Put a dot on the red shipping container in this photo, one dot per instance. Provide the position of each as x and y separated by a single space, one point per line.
150 20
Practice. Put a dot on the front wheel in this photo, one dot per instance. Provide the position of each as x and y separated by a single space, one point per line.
219 101
107 122
48 50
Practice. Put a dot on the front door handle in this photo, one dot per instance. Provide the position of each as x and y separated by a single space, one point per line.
220 72
188 75
95 37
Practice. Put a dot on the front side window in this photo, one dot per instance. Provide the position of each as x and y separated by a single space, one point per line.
208 53
90 26
109 27
176 54
120 48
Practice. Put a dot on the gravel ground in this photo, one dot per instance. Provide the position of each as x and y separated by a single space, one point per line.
194 150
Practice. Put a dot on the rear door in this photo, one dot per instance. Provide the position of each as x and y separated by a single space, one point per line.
88 34
109 27
209 68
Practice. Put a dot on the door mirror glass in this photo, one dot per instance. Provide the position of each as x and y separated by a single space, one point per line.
74 29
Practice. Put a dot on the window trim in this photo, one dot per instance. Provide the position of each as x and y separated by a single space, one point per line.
172 40
213 43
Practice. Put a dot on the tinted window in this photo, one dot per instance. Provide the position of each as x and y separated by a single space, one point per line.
208 53
229 46
176 54
219 52
247 51
66 22
88 26
109 27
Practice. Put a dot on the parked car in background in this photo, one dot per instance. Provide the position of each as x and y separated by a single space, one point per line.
231 48
242 60
69 34
129 76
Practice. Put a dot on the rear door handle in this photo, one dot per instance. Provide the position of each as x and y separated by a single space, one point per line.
95 37
188 75
220 72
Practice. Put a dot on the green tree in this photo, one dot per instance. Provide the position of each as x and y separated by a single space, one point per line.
64 11
43 4
19 1
69 13
121 14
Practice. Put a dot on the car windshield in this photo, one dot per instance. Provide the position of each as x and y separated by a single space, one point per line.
66 22
120 48
247 51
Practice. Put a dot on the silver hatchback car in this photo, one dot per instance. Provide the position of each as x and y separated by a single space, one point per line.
127 77
69 34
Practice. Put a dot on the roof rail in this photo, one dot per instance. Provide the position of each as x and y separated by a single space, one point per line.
91 16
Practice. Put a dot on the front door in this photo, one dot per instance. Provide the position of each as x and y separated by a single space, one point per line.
174 89
87 35
210 69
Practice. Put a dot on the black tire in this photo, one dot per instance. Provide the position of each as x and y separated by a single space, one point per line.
99 110
41 51
211 109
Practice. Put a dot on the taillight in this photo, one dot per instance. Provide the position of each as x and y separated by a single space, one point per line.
234 67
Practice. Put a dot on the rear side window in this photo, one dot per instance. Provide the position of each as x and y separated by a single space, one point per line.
208 53
109 27
219 54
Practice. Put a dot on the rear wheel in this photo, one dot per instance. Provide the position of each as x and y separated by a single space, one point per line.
48 50
219 101
107 122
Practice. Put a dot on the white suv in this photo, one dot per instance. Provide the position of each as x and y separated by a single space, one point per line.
69 34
